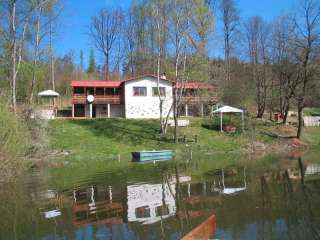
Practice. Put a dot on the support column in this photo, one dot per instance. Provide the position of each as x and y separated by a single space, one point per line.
90 110
109 110
202 114
186 108
221 122
72 110
242 119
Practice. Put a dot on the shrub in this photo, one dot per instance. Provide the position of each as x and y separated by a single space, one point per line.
13 141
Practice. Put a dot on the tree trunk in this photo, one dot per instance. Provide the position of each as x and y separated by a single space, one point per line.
285 113
13 56
35 60
107 66
300 120
175 116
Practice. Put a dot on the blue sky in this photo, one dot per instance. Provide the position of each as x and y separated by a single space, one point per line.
76 16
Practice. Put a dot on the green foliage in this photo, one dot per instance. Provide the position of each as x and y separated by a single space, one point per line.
92 63
13 141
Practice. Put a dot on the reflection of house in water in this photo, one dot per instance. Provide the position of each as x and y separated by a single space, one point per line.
312 169
150 203
147 203
97 205
308 170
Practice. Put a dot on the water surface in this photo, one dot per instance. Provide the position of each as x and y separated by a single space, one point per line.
269 198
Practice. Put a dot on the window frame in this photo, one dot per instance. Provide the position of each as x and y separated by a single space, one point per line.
139 94
157 95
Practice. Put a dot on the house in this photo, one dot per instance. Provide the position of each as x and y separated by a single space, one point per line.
137 97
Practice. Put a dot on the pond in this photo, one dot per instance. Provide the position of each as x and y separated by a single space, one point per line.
267 198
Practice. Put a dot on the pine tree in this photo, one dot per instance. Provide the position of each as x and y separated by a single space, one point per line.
81 60
92 63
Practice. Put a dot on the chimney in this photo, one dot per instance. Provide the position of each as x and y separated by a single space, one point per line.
163 76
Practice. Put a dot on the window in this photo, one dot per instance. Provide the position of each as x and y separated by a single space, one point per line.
78 90
155 91
139 91
90 91
99 91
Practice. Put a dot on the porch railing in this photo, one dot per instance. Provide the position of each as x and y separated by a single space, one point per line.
109 99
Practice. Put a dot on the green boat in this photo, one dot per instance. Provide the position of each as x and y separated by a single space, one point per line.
143 156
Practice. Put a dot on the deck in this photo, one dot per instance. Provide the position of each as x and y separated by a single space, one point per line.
107 99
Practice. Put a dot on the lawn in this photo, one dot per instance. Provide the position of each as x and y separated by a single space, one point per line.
106 138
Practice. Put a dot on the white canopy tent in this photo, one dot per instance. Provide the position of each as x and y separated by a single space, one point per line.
228 109
48 93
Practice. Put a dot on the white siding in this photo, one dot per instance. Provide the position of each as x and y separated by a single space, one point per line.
146 106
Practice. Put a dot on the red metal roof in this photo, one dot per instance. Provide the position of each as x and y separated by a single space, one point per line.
117 84
106 84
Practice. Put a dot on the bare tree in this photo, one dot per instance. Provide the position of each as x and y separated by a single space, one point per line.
130 41
105 30
284 66
158 13
306 47
230 19
257 40
19 14
180 29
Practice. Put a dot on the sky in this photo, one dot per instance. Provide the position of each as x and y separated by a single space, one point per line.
73 25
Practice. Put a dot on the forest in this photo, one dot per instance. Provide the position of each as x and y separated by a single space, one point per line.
264 66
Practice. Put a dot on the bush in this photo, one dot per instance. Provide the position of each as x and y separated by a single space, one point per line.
13 141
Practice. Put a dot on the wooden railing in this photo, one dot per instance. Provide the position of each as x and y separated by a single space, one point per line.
111 99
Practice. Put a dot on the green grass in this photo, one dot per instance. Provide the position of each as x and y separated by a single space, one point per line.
106 138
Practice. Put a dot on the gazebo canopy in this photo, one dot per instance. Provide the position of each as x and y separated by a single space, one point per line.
48 93
228 109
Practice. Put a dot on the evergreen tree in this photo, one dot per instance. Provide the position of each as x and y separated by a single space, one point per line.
92 63
81 60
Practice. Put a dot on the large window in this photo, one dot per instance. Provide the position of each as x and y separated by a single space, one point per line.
139 91
155 92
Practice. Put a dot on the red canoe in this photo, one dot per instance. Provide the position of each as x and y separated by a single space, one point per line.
205 230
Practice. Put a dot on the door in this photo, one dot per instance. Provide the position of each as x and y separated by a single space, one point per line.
79 110
94 111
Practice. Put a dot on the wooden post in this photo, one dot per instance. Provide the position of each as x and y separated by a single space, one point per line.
202 114
196 138
109 110
186 108
184 138
242 119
